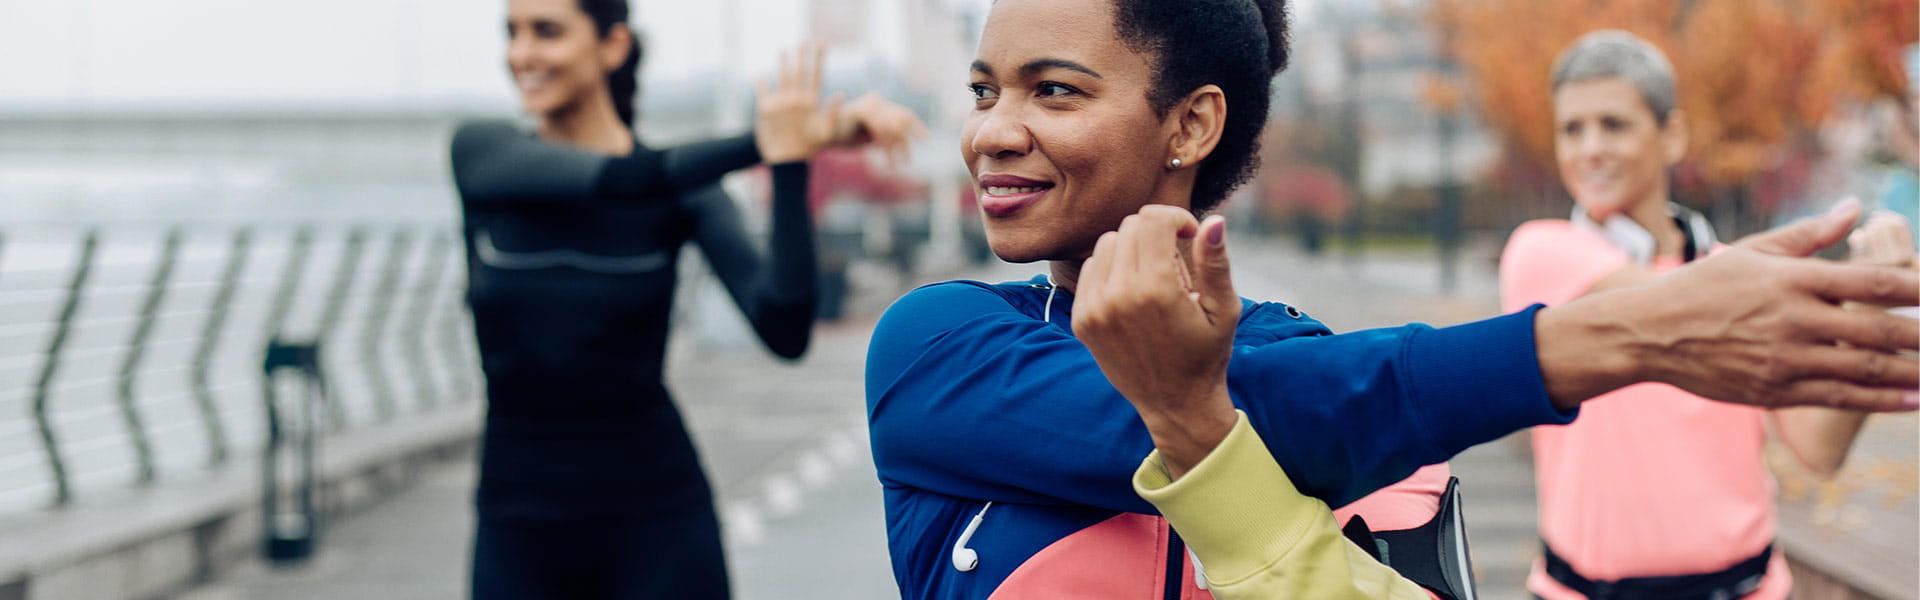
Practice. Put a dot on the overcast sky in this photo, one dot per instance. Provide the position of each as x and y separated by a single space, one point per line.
138 52
66 53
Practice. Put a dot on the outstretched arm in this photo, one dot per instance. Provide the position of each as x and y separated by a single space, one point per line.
1755 324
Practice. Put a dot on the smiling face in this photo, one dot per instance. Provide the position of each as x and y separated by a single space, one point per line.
1613 153
558 59
1062 142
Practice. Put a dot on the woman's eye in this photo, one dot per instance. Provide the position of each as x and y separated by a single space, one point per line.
547 30
982 92
1053 89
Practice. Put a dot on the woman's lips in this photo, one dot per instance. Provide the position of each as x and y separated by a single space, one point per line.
999 206
1004 195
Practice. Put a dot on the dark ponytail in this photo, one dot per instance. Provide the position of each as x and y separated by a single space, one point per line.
1238 45
624 82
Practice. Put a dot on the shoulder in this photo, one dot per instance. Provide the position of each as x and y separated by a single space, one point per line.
1552 262
938 307
954 298
477 134
1540 232
1555 241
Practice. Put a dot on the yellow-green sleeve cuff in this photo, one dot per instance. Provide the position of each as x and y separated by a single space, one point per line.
1236 510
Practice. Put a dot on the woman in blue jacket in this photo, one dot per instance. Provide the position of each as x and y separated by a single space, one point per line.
1006 449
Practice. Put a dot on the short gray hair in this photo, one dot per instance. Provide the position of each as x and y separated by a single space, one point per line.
1615 53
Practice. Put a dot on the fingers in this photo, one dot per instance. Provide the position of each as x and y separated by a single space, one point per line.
1097 271
799 71
1809 236
1857 366
890 126
1213 276
1875 329
1848 396
811 57
1126 251
830 115
1887 286
1885 240
784 76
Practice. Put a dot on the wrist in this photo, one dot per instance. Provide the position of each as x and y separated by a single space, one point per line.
773 154
1592 346
1186 437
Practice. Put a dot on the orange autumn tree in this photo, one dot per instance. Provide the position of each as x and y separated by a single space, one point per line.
1756 77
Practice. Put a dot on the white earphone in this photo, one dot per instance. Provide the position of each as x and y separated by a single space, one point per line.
964 558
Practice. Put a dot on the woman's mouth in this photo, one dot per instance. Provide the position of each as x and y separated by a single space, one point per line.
1003 195
531 82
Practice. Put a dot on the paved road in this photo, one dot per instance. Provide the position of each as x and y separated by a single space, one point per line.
786 447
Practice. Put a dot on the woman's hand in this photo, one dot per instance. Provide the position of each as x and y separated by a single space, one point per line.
1160 324
791 125
1756 324
873 120
1885 240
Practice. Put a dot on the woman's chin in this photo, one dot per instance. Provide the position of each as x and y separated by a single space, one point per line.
1015 247
538 106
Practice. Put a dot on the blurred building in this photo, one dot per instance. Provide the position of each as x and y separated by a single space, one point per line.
1380 61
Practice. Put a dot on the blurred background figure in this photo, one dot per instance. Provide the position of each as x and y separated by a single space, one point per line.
307 180
589 484
1653 491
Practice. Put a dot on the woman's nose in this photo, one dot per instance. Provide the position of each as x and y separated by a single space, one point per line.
519 52
1001 133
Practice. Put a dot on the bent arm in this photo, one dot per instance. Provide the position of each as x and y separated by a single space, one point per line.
1818 436
675 171
495 163
970 398
777 292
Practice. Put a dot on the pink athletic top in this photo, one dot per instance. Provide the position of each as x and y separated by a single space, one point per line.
1650 480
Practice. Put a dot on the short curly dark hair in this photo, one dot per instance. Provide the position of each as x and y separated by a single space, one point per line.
1239 45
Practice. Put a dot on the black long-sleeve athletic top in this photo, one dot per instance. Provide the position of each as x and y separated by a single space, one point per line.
571 268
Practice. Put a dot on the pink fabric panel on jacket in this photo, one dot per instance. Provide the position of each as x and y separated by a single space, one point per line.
1117 558
1404 505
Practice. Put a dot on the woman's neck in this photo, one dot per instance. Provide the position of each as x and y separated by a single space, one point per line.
1653 215
1656 217
592 125
1064 274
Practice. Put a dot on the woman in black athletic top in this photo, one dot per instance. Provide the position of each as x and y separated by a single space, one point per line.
589 485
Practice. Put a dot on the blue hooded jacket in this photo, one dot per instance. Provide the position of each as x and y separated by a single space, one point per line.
974 395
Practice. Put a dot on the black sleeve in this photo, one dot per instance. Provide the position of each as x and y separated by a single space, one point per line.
676 170
777 292
497 163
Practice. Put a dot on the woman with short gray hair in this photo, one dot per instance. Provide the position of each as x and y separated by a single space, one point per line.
1654 492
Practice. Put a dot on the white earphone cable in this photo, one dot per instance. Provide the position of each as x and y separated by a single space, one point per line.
1047 313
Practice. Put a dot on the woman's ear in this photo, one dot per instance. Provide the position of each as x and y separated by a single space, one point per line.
614 47
1673 137
1197 123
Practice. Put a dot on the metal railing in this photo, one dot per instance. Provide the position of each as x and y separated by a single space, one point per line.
131 356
